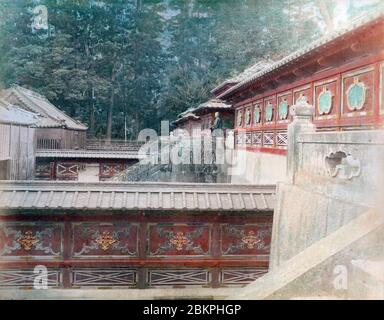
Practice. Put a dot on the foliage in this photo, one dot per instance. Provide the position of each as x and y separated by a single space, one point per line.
144 61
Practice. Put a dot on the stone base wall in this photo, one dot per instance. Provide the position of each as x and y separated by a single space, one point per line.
257 167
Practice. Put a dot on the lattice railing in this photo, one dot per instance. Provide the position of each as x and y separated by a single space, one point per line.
129 277
282 138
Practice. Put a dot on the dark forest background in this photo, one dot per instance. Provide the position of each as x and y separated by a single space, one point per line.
148 60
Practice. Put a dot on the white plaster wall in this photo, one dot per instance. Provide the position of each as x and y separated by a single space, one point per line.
257 167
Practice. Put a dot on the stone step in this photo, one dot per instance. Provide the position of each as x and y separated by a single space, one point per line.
279 279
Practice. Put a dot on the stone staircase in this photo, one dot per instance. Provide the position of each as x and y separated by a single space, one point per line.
347 264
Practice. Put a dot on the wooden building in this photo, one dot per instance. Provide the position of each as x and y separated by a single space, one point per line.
55 129
202 116
341 75
17 148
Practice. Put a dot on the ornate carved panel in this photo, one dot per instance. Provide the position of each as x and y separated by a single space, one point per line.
284 103
240 276
44 171
343 166
245 239
108 170
24 278
26 240
105 240
257 113
358 92
239 118
248 116
179 240
326 98
178 277
269 110
67 171
103 277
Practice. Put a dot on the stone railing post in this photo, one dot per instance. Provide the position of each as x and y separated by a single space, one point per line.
302 123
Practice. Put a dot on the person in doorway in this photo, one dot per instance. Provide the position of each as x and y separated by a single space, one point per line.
217 132
217 122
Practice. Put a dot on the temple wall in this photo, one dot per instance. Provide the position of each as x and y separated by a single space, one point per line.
257 167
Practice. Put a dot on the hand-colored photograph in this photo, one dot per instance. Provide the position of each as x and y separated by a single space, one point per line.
191 150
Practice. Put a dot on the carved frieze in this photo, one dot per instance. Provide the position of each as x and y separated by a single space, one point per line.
20 240
108 239
179 240
245 240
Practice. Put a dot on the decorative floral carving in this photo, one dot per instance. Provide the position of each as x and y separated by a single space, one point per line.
28 240
179 241
246 240
250 240
39 240
105 240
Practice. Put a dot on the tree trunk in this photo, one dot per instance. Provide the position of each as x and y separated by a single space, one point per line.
110 113
111 104
91 129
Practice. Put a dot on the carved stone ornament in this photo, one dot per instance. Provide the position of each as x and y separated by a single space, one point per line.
302 109
342 165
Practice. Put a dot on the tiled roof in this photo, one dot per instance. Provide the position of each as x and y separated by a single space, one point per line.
191 113
90 154
213 104
132 196
185 117
260 65
50 116
339 34
14 115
